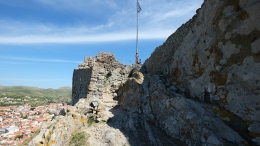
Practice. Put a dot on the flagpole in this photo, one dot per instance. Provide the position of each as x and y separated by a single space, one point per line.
136 52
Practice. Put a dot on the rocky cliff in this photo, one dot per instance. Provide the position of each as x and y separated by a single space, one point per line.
201 87
202 84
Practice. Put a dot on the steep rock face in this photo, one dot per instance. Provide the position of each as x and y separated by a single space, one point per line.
218 54
160 103
213 61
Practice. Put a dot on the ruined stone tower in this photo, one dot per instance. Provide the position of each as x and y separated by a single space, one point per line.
98 75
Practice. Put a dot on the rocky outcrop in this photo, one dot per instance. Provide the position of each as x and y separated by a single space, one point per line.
203 84
62 129
158 101
95 81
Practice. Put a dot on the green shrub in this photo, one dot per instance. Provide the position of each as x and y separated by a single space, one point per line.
79 139
19 136
91 121
26 142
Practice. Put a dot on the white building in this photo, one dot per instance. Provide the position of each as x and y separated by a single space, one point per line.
2 131
12 129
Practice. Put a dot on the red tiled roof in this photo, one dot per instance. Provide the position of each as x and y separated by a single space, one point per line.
35 129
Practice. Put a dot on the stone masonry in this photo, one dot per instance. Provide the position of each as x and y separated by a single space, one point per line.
98 75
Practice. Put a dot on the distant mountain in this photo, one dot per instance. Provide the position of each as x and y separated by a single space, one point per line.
32 94
65 88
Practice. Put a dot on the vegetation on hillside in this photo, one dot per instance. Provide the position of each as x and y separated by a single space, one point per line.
19 95
26 142
79 139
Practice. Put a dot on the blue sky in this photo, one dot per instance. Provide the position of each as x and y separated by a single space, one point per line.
42 41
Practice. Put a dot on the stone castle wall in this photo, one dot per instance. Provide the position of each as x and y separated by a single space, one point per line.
81 78
98 75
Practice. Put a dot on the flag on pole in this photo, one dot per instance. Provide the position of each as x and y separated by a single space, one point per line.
139 9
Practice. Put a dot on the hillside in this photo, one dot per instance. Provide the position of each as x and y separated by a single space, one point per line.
16 95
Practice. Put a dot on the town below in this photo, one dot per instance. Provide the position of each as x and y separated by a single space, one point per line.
19 124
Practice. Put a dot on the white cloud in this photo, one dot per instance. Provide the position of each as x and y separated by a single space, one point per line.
82 6
157 20
6 63
37 60
30 80
106 37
